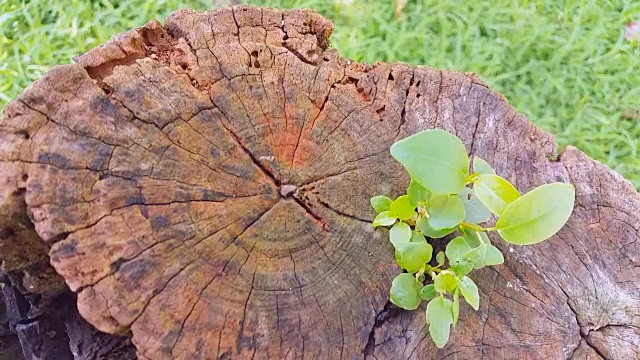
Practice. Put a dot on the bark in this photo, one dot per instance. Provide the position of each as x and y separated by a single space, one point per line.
204 187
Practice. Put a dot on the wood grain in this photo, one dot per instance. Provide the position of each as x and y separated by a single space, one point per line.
204 185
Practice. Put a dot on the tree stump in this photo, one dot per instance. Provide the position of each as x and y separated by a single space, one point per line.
203 186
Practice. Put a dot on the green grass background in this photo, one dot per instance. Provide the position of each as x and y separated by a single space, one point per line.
565 64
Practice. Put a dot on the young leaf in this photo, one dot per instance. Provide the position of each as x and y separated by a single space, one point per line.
493 256
439 317
476 212
482 167
456 249
402 208
484 255
440 258
477 256
400 233
445 212
436 159
427 230
472 237
470 291
417 237
405 292
381 203
495 192
417 193
537 215
484 238
455 307
428 292
462 268
446 281
412 256
385 218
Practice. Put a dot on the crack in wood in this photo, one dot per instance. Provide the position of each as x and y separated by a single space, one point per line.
584 335
256 162
387 313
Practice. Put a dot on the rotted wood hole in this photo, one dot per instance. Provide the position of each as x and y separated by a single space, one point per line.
203 188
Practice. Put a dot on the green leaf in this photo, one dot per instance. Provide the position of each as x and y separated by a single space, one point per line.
439 317
428 292
456 249
400 233
455 307
472 237
495 192
493 256
482 167
417 237
436 159
472 250
405 292
445 212
427 230
381 203
412 256
484 255
402 208
462 268
477 256
537 215
417 193
385 218
446 281
440 258
476 212
470 292
484 238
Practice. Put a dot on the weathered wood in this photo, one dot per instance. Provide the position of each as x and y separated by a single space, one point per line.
205 184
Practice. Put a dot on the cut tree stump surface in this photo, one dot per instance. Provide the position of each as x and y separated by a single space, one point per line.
205 184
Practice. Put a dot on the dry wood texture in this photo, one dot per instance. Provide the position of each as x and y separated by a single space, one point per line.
205 185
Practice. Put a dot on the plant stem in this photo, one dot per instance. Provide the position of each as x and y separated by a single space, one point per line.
472 178
480 238
473 227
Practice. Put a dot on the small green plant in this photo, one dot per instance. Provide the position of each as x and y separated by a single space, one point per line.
443 198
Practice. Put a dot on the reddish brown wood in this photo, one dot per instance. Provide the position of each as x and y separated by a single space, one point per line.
204 185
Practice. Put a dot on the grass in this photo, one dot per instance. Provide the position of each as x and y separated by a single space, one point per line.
564 63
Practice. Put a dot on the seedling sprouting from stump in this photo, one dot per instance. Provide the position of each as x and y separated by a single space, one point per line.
444 198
